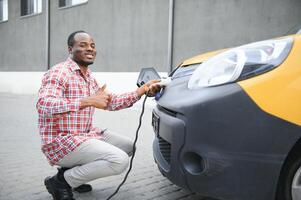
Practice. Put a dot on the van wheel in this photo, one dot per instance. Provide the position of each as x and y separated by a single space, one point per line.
289 186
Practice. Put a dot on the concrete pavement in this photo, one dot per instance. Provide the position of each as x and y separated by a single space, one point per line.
23 167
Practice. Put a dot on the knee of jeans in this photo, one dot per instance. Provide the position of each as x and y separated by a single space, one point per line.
130 149
122 164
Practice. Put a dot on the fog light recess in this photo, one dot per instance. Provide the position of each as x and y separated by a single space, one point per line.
193 163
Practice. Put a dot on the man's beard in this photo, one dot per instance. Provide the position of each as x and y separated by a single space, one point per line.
85 63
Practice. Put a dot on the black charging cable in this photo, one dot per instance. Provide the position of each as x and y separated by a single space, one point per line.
134 149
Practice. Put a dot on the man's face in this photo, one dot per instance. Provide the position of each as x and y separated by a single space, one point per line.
83 50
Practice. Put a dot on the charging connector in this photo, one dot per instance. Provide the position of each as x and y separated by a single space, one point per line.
164 81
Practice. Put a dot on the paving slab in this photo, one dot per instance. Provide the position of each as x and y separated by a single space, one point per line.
23 167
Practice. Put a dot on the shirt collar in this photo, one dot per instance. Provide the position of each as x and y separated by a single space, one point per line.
74 66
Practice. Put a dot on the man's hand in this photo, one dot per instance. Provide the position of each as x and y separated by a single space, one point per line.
99 100
150 87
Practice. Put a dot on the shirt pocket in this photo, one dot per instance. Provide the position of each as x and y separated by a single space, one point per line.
76 90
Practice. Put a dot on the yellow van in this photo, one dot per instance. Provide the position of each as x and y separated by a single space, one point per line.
228 126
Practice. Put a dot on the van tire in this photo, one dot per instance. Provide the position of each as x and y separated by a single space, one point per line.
284 190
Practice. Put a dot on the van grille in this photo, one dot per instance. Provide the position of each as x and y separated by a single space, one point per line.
164 149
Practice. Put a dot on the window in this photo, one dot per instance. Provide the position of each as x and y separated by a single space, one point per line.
3 10
30 7
69 3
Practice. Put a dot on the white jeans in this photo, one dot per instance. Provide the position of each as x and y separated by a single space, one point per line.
95 159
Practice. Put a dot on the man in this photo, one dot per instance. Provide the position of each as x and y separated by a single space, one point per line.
67 99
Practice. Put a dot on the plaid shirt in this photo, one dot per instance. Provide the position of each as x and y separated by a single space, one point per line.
63 125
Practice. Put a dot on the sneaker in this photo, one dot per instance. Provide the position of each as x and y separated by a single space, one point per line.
58 189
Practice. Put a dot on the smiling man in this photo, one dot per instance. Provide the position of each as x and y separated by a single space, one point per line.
67 99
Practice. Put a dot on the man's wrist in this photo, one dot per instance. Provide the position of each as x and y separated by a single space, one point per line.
142 90
85 102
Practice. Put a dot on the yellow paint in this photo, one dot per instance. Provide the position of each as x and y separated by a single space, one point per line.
278 92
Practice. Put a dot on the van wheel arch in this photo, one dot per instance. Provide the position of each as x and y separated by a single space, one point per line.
291 164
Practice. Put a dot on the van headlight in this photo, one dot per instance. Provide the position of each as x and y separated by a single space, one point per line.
241 63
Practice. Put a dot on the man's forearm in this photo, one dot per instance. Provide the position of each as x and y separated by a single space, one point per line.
150 87
86 102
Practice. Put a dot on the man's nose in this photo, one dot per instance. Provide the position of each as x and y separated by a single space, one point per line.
89 48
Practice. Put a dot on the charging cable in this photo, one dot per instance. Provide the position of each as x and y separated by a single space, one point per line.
134 149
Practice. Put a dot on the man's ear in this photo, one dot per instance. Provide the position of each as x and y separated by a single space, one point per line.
69 49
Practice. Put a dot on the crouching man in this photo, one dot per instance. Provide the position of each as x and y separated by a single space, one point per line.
67 99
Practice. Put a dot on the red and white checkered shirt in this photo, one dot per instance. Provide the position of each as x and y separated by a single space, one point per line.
63 125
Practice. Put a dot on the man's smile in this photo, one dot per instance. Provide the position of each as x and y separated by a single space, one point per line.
90 55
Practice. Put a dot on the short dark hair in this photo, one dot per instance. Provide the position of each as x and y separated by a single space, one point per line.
70 40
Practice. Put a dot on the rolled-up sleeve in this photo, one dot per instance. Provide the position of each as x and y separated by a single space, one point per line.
124 100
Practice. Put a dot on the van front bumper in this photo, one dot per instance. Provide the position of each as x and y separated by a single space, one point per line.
222 146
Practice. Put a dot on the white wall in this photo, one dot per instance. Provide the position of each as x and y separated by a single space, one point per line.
29 82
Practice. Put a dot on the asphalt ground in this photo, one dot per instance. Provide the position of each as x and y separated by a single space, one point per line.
23 167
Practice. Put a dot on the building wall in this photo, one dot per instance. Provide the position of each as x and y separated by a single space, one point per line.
131 34
22 40
206 25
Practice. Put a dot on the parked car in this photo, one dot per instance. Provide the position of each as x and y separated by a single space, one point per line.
228 124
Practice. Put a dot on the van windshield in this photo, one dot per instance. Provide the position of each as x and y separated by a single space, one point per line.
185 70
295 30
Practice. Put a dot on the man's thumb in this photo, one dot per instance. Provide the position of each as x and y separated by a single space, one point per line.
102 89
